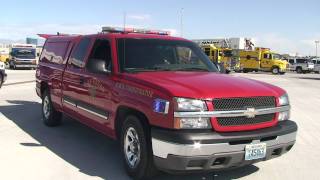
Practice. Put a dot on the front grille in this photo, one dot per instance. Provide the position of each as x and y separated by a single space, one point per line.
242 121
229 104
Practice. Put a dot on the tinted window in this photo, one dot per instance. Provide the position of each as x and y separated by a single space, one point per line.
207 51
291 61
158 55
78 55
101 51
54 52
301 60
318 62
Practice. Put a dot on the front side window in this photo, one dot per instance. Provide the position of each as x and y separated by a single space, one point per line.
267 56
291 61
78 55
137 55
100 57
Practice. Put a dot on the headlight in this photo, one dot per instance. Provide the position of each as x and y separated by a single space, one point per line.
185 104
192 123
1 65
284 100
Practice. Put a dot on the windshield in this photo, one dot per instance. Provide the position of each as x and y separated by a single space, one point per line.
276 56
24 53
137 55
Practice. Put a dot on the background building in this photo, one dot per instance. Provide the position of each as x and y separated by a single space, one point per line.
233 43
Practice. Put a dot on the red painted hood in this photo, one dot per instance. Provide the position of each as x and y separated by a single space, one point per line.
204 84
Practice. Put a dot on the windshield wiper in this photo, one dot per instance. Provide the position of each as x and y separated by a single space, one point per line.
136 70
192 69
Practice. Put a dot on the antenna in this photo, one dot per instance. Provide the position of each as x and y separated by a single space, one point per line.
124 20
181 22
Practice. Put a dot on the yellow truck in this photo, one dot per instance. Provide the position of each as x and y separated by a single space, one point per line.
262 59
220 56
4 55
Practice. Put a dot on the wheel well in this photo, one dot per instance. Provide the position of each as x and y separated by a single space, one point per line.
43 87
124 111
275 67
298 67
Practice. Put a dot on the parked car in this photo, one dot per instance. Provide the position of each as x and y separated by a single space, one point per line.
316 63
164 100
301 65
3 75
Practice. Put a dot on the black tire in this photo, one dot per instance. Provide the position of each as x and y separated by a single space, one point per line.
12 65
144 167
245 71
53 118
1 80
275 70
299 70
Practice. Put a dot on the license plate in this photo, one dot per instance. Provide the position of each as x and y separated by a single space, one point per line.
255 151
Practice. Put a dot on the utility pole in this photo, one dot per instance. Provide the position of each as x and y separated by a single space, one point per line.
181 22
317 42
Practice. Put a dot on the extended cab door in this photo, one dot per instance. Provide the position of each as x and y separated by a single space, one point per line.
73 88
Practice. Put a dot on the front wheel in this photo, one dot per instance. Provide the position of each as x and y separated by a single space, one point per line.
50 116
136 149
1 80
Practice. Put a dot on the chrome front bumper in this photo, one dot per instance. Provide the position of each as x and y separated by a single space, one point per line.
215 151
163 149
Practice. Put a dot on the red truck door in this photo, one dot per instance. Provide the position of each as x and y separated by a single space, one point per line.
98 80
88 82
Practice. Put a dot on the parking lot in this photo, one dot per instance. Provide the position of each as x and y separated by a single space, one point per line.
30 150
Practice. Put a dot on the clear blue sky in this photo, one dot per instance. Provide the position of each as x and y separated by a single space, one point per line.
272 22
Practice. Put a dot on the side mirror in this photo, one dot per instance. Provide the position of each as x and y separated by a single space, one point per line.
98 66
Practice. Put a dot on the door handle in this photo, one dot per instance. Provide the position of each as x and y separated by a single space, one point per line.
82 80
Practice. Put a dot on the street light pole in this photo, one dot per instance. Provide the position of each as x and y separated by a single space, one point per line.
317 42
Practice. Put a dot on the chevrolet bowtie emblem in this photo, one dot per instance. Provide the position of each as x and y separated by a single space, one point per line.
250 113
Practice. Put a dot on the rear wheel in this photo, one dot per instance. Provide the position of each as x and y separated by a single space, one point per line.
136 149
275 70
50 116
299 70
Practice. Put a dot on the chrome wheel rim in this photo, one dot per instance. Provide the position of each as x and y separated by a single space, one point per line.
46 107
132 147
275 71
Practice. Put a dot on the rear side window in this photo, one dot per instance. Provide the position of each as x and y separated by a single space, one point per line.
78 55
301 60
54 52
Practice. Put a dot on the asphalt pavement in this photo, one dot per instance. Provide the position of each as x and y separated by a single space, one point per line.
30 150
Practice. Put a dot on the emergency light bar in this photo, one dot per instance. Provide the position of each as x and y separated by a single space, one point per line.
133 30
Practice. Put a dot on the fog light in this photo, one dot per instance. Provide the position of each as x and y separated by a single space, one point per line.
284 116
192 123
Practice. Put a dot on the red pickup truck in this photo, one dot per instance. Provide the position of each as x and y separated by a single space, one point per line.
163 99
